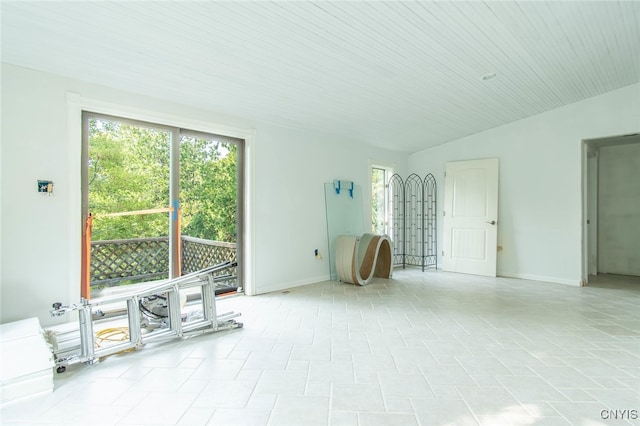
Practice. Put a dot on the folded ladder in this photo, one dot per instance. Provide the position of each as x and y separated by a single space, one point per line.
174 325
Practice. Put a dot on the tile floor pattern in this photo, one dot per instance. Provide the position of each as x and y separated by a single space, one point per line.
428 348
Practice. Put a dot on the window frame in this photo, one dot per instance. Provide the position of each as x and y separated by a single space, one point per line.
174 192
389 170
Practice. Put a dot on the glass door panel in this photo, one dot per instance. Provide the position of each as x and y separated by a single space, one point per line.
208 203
128 177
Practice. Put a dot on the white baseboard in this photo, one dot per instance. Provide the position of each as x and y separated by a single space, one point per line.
322 278
554 280
291 284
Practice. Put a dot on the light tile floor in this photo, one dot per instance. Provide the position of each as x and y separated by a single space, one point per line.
428 348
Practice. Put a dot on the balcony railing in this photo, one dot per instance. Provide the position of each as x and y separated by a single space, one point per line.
118 262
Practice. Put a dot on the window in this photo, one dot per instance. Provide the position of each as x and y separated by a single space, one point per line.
158 201
379 215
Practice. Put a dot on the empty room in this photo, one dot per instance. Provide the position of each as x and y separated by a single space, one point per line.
320 213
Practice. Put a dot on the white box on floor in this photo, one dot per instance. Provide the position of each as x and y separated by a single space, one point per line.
26 361
64 339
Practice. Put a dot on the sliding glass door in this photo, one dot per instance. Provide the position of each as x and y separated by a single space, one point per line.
158 201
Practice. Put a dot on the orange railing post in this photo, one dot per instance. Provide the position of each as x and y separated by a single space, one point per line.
85 282
179 239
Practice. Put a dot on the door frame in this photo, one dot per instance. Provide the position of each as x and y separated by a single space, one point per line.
77 103
590 230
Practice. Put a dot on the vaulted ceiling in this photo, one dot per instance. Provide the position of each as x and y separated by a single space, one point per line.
402 75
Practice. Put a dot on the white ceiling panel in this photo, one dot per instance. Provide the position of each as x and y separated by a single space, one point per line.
402 75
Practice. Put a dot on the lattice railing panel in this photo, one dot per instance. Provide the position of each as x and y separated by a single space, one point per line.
198 254
114 262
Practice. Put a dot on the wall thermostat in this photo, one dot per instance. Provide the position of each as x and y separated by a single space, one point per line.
45 186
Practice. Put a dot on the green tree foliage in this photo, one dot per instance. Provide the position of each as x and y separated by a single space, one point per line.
208 182
377 200
129 170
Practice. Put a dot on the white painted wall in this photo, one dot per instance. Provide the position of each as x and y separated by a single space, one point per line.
619 210
540 197
41 234
291 169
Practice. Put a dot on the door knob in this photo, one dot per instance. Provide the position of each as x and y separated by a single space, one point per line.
493 222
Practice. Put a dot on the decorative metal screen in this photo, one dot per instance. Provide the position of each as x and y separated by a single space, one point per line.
413 219
395 200
430 240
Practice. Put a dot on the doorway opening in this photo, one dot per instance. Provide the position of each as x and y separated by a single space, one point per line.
611 206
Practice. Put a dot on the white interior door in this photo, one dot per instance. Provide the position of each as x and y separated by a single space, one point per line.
471 217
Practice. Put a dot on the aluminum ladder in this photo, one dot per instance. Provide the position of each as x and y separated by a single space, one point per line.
174 327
